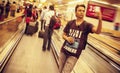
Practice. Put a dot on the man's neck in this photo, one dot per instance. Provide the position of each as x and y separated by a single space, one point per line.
79 21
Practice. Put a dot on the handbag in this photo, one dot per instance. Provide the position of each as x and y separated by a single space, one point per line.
32 23
41 34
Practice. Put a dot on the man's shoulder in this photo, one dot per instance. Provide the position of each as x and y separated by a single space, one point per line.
45 11
71 21
49 13
87 23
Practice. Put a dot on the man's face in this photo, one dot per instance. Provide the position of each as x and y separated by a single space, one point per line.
80 12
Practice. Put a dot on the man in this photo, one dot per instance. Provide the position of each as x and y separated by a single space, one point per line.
7 9
13 8
48 28
42 16
75 35
28 13
2 5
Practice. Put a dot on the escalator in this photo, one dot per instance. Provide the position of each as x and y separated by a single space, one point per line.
11 32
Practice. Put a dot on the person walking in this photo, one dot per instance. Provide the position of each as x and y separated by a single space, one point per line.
7 9
2 10
13 8
75 35
48 28
43 21
29 16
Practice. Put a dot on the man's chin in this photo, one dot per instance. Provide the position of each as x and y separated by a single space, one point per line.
80 17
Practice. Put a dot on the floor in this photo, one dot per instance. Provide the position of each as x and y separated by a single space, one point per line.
28 57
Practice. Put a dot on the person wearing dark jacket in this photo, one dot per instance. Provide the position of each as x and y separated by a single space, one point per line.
7 9
2 11
48 28
28 14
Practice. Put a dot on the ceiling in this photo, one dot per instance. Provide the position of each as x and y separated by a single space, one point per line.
112 1
63 4
60 1
66 1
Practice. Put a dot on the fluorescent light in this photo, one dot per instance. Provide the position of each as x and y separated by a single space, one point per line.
116 5
42 1
77 1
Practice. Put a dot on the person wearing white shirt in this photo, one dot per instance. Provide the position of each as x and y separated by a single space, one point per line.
43 21
48 32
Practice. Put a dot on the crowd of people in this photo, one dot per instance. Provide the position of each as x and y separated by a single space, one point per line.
7 8
48 24
31 15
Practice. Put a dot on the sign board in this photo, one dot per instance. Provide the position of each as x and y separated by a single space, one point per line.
108 12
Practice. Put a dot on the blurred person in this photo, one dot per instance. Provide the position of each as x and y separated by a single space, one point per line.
2 8
25 11
21 8
7 9
28 13
116 26
48 28
42 16
35 13
40 11
13 8
75 35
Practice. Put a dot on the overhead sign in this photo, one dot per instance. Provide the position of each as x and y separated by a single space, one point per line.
108 12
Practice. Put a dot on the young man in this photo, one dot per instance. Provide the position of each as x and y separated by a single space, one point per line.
42 16
13 8
48 28
2 8
75 36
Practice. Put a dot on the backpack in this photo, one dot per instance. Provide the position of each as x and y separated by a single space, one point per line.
57 24
53 20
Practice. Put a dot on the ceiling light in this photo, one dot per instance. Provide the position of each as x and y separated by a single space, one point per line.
42 1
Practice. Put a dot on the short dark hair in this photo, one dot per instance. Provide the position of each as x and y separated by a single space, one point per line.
80 5
51 7
14 2
3 1
30 6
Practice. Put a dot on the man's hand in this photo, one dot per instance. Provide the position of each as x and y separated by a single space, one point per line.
98 15
98 29
70 40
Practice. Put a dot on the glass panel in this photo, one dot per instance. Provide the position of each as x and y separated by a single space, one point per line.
8 29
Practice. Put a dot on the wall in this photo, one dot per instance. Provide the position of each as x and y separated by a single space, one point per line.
106 24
